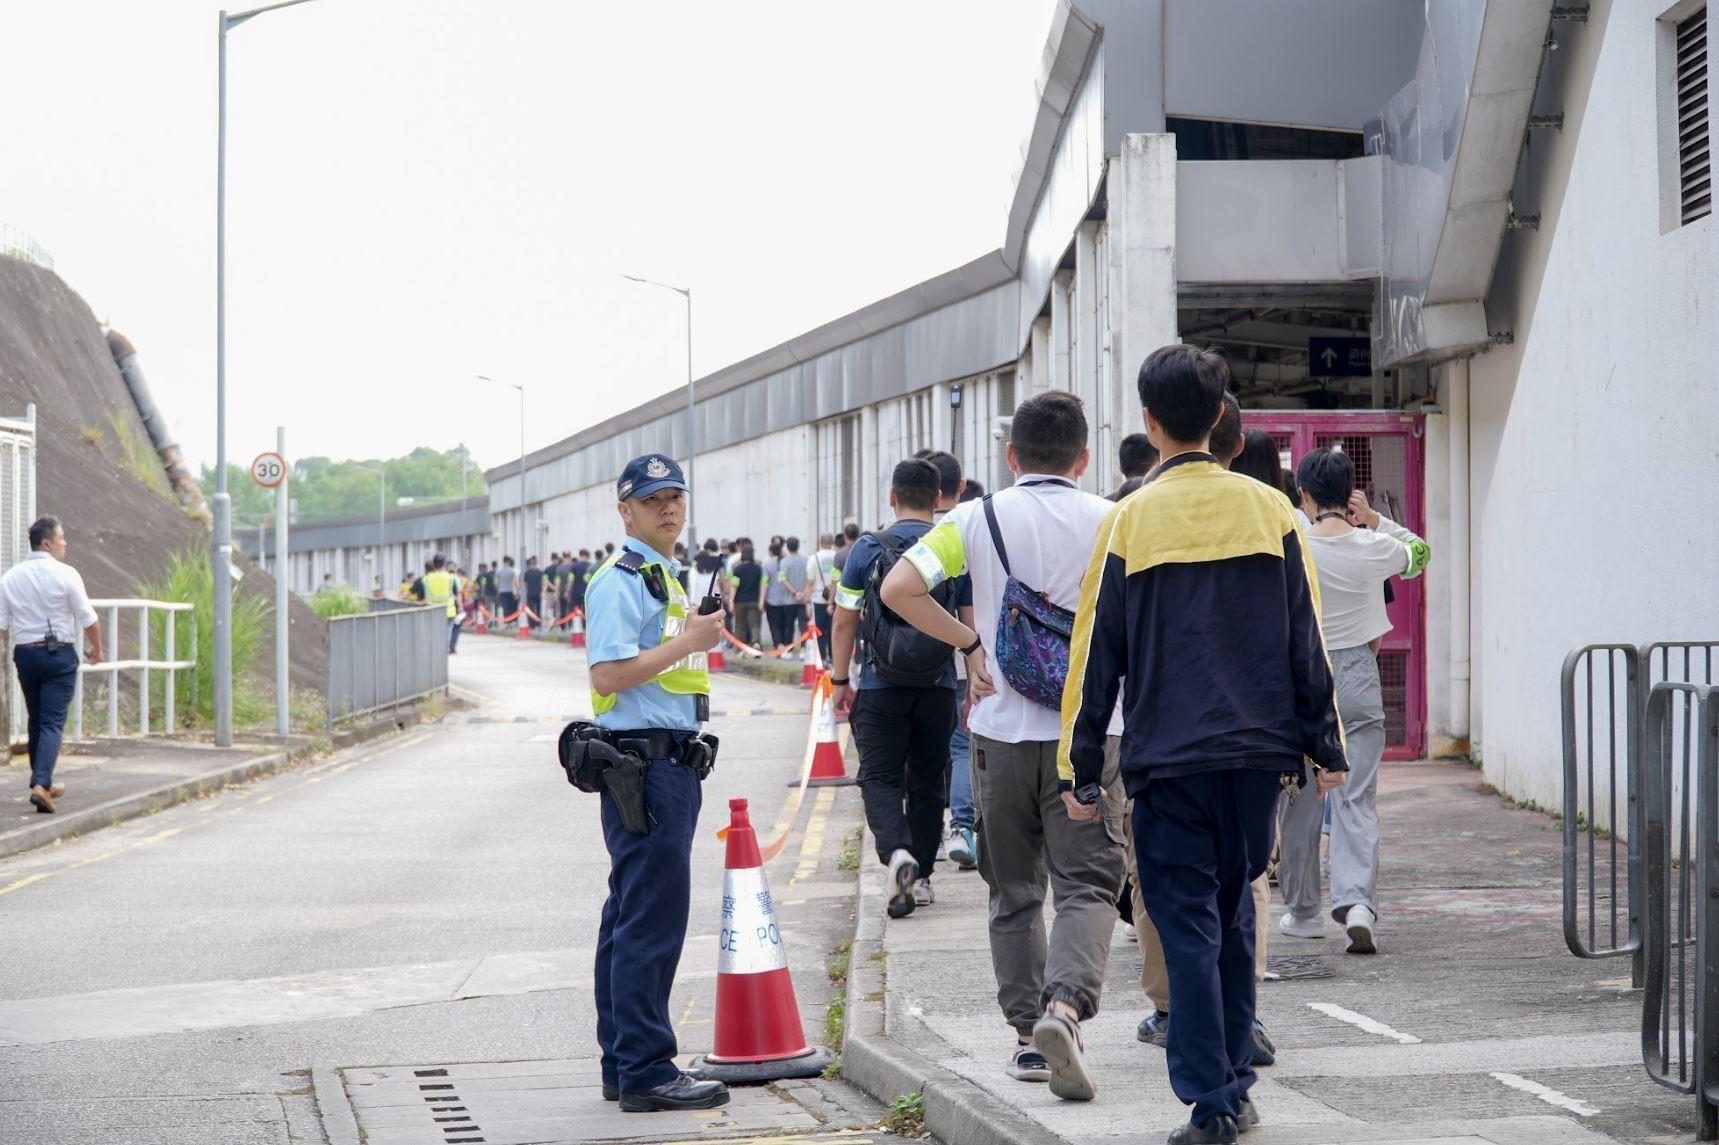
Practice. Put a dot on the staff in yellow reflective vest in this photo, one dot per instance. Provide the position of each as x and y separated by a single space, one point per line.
443 587
650 693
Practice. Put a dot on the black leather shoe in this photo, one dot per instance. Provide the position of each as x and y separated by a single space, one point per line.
1217 1130
1264 1052
1154 1028
611 1092
1248 1117
682 1093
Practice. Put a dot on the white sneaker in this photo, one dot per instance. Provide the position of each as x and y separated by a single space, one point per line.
1130 933
903 873
1302 927
923 895
1359 923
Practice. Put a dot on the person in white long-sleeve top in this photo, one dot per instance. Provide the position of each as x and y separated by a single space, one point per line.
44 605
1355 550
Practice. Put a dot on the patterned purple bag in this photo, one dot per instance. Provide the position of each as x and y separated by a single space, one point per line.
1032 633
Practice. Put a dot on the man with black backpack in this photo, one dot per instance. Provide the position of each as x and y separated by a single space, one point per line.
1027 548
903 708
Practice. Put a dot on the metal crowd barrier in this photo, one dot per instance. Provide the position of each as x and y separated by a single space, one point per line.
1680 846
379 659
1641 760
141 664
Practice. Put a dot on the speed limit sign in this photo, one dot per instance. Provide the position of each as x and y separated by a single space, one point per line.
269 470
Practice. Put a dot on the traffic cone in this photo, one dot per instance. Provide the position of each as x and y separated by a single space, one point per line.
482 628
576 634
814 667
828 768
759 1037
713 660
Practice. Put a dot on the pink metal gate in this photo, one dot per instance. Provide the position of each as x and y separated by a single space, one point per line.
1387 450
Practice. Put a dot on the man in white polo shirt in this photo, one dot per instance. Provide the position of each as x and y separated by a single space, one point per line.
43 603
1030 827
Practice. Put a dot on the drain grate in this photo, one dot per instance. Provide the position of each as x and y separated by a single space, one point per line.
456 1124
1296 967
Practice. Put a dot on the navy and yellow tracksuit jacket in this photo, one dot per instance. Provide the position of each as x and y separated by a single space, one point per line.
1201 604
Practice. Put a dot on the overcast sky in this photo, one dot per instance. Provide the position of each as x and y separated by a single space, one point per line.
421 191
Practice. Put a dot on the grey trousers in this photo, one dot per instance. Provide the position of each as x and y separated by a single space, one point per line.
1354 819
1027 838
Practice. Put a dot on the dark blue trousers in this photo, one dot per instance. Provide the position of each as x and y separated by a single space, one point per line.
1202 840
47 680
644 925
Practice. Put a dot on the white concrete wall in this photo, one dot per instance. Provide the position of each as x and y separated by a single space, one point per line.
1593 437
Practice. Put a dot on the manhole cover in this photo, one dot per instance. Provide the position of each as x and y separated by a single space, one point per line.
1293 967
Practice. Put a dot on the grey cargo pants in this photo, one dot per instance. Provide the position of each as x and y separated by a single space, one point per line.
1354 820
1026 837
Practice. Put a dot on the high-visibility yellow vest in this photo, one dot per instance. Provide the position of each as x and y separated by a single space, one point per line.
687 676
442 587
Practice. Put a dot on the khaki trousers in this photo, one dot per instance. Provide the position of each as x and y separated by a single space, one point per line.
1154 979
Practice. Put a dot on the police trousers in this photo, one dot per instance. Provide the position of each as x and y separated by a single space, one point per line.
1202 840
643 928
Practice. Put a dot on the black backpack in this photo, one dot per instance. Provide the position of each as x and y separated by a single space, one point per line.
899 653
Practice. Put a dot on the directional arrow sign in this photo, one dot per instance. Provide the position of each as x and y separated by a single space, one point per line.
1340 357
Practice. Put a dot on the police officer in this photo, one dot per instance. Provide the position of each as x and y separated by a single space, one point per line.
650 692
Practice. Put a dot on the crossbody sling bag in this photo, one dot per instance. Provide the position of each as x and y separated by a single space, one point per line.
1032 633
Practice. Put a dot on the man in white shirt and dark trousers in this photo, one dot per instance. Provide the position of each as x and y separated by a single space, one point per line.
44 605
1032 832
1356 550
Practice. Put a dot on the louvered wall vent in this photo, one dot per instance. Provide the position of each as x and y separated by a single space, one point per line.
1694 168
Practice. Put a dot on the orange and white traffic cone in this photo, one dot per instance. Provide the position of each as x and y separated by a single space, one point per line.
714 661
524 627
815 665
828 768
576 634
759 1037
482 628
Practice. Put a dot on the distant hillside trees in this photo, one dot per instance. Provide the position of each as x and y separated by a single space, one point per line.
325 488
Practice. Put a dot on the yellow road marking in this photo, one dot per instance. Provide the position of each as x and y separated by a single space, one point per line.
23 882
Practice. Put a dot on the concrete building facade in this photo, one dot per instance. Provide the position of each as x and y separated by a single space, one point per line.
1491 212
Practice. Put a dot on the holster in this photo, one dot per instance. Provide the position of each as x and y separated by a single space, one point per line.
593 765
700 754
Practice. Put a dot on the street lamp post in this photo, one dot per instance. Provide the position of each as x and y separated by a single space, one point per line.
691 424
523 541
223 507
381 472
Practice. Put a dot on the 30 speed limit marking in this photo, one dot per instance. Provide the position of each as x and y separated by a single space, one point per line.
269 470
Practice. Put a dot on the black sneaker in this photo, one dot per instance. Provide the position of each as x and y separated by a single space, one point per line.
1264 1052
1219 1129
1154 1028
1248 1117
611 1092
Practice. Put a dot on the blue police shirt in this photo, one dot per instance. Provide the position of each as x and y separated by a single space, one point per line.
622 617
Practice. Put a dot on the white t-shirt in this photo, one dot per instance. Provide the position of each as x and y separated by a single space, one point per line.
1353 569
1049 528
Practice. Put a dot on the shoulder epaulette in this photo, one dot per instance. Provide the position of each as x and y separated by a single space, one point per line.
631 561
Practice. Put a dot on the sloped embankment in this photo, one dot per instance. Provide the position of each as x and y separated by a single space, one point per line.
95 468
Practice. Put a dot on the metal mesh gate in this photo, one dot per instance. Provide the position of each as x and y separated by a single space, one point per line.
17 510
1385 449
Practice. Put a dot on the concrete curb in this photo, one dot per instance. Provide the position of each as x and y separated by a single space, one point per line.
956 1110
339 1122
76 823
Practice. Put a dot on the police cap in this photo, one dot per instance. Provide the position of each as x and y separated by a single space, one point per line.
648 474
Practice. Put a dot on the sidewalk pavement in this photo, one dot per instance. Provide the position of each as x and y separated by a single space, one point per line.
1473 1024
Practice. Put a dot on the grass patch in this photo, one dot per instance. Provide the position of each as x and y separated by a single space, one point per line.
850 859
835 1021
906 1116
339 600
189 578
137 456
91 435
841 955
833 1071
836 1013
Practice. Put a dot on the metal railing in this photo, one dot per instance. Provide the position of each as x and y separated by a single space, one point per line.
379 659
141 664
15 243
1601 683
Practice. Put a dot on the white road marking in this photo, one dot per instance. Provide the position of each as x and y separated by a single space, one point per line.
1363 1022
1547 1094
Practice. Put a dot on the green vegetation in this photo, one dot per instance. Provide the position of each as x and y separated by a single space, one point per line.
906 1116
325 488
850 858
136 455
339 600
836 1013
190 579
